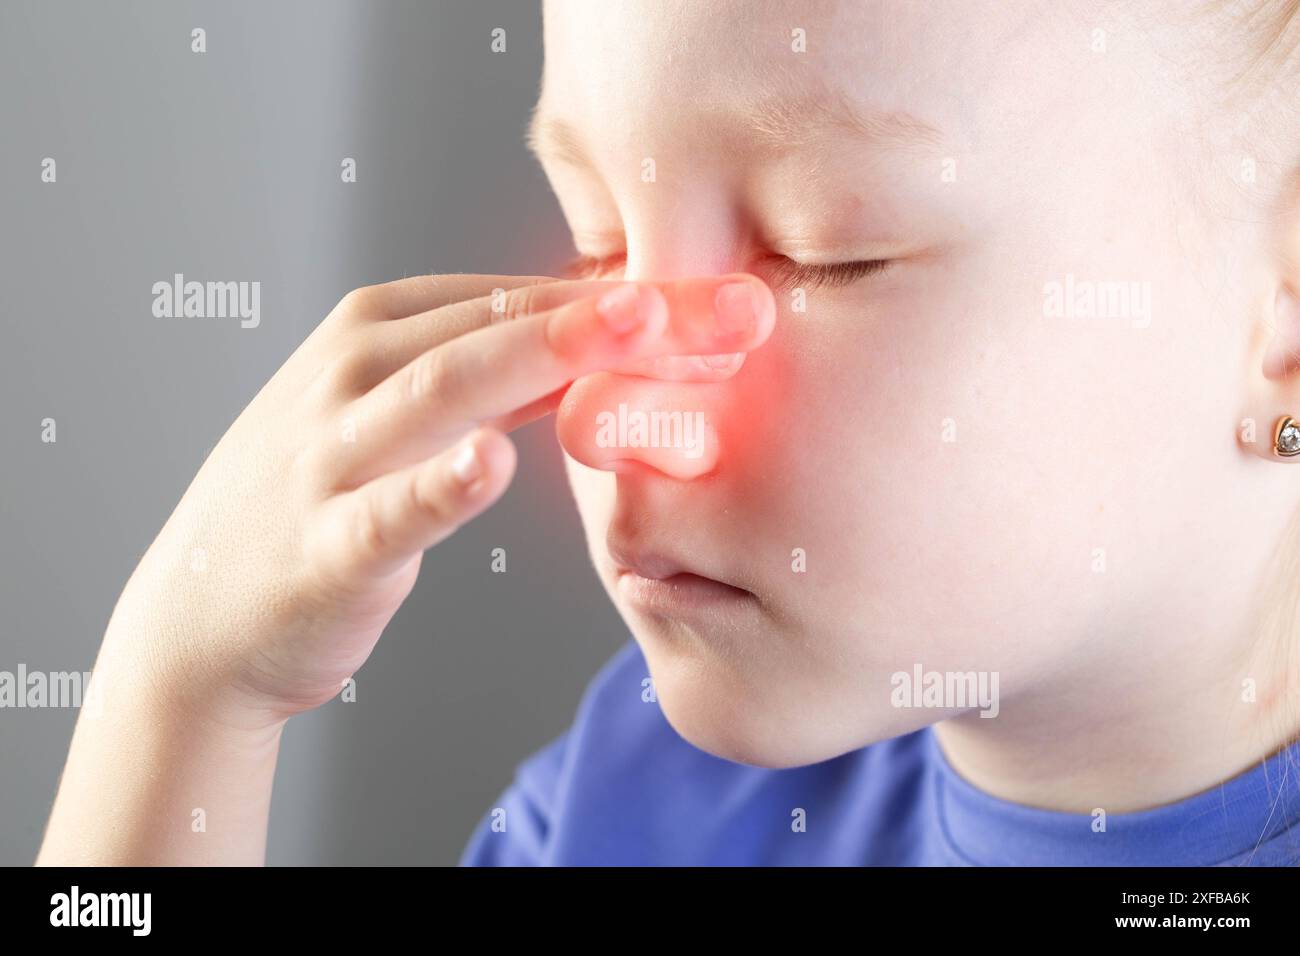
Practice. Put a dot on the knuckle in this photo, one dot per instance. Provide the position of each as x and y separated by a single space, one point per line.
343 372
360 303
518 303
433 374
318 464
427 498
346 374
308 463
368 530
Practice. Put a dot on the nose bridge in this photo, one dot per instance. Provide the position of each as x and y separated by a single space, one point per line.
698 235
617 422
610 421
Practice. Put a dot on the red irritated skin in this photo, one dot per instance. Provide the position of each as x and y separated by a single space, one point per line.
665 423
936 460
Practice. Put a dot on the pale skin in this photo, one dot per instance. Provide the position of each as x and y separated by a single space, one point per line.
979 484
1120 689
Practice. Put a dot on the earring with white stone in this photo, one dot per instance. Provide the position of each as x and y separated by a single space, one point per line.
1286 437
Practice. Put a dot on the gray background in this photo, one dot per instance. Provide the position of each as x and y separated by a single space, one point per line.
225 166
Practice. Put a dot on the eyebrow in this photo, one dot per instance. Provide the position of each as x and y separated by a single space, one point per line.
782 124
778 124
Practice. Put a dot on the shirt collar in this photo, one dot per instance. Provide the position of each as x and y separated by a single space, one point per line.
1218 825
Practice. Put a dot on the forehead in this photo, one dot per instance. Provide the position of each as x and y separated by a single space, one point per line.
613 58
643 73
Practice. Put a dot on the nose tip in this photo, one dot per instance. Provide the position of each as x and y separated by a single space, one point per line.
623 423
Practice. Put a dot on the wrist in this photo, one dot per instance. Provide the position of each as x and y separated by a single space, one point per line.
161 773
155 676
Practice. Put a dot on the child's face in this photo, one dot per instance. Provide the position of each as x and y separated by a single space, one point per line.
981 477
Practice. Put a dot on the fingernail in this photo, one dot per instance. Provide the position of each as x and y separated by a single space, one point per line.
465 465
719 361
734 306
621 308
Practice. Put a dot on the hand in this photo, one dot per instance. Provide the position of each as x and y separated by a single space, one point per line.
303 531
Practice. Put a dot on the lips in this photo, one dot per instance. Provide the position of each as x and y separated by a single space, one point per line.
647 564
659 566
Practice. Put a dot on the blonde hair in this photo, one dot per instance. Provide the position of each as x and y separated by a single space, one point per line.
1262 83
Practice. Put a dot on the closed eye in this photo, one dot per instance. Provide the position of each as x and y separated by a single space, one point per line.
785 274
782 273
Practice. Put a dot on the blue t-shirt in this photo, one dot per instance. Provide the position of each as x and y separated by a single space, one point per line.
620 787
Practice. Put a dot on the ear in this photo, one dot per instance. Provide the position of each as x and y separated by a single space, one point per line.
1275 347
1281 359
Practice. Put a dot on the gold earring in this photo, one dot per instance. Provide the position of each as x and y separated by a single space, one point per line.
1286 437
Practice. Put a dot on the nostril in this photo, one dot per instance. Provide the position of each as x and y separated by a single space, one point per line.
627 466
626 424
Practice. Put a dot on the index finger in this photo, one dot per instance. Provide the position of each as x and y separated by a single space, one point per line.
414 295
501 370
494 371
392 345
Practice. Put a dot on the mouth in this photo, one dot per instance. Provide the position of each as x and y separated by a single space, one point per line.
658 582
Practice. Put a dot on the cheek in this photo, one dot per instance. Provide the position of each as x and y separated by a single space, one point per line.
966 469
594 493
930 473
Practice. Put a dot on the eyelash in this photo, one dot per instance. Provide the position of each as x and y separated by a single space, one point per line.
783 273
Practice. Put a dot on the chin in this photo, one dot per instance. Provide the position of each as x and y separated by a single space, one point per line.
711 694
715 709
